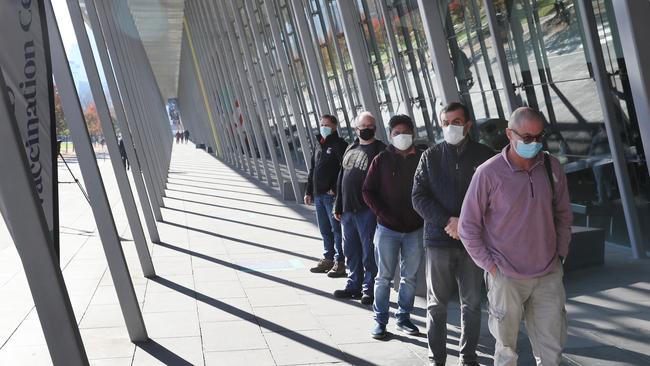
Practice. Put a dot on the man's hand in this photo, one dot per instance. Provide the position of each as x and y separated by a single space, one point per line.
308 199
493 270
337 216
452 228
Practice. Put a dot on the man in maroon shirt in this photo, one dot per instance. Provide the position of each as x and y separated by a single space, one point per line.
387 191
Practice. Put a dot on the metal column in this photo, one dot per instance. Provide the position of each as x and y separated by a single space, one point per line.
397 59
361 61
612 125
122 122
26 223
632 20
310 56
94 184
439 51
502 61
111 139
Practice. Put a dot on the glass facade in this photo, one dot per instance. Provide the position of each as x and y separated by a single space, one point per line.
545 54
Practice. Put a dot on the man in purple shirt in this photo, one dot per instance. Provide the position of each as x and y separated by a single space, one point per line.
515 223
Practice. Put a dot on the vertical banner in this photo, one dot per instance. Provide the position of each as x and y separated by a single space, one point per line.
27 70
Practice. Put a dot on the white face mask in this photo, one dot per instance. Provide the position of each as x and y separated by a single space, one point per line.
403 141
453 134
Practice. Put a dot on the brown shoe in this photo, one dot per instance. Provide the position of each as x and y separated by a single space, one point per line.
338 270
323 266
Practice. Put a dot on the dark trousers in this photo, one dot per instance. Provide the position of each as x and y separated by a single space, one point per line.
448 269
358 231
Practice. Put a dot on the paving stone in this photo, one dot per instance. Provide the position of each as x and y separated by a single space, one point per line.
301 347
232 336
257 357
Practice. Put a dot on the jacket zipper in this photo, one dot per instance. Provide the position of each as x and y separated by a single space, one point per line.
530 179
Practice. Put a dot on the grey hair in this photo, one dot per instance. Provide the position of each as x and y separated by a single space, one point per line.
362 115
523 114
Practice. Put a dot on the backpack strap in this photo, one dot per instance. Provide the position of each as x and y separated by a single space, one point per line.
549 174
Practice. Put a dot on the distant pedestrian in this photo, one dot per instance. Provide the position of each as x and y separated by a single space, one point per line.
125 160
398 238
357 220
321 190
441 182
516 224
186 136
178 136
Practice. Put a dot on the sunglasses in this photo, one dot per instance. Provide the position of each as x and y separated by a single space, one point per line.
527 139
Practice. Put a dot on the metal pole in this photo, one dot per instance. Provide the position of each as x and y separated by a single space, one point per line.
126 74
122 122
310 56
111 140
612 126
94 184
397 59
360 61
502 61
632 21
434 30
26 223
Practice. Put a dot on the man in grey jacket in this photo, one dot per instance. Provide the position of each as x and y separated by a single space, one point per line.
441 180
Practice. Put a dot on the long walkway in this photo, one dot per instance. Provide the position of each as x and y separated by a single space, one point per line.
233 288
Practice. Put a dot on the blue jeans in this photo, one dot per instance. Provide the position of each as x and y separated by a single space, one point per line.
358 230
330 228
389 247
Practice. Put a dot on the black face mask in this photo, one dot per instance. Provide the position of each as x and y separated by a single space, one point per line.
367 133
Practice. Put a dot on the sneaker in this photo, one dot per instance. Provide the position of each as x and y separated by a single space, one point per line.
379 331
408 327
323 266
338 270
367 299
346 294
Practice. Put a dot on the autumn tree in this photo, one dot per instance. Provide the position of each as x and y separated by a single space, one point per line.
92 121
59 117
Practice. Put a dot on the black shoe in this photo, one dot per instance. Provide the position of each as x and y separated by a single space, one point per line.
408 327
470 363
367 299
379 331
346 294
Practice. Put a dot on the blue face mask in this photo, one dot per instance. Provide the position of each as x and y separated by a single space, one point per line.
325 131
527 151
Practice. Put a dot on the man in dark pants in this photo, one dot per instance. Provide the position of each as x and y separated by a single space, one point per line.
441 181
321 191
358 221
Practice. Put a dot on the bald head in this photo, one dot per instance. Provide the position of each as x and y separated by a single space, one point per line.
365 119
524 116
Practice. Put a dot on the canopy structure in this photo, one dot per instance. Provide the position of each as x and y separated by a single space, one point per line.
209 114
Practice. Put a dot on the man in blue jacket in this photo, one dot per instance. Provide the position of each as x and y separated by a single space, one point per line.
441 181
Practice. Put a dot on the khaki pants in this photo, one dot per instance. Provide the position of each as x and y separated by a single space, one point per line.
540 301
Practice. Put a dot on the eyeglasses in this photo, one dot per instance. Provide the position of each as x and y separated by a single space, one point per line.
454 122
529 138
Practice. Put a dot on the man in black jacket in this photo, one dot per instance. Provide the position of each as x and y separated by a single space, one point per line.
441 181
321 191
358 221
